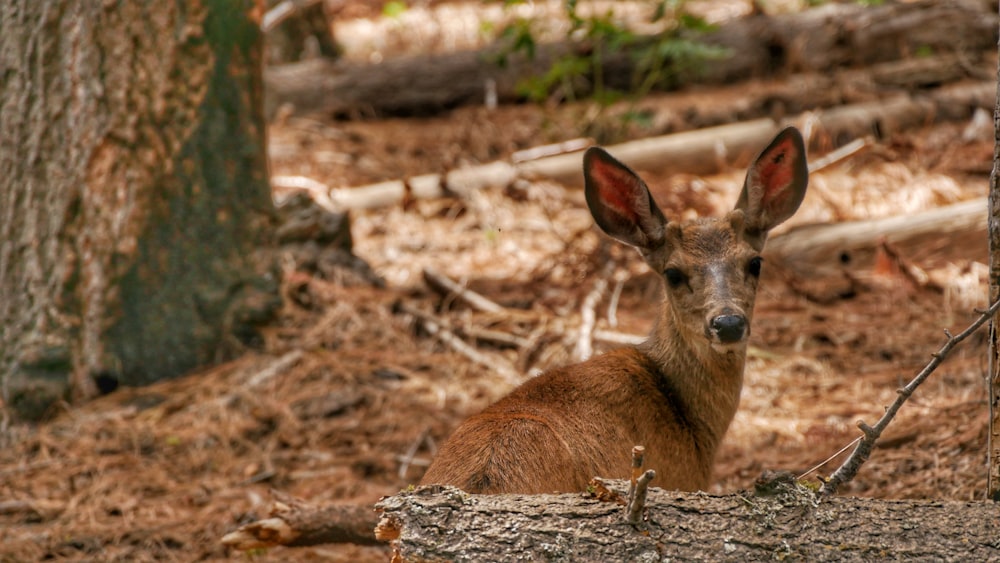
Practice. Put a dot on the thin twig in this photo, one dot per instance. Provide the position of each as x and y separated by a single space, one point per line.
829 459
438 280
411 452
283 11
917 276
543 151
615 337
853 463
275 368
495 336
436 328
835 156
616 294
588 316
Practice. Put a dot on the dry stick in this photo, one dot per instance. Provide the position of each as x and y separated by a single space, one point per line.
275 368
615 337
638 458
473 299
914 273
638 503
411 454
436 328
543 151
584 344
283 11
835 156
616 294
853 463
496 336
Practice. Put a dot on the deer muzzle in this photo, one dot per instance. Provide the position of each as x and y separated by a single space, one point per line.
727 328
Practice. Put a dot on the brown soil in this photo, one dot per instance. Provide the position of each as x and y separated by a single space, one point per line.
351 394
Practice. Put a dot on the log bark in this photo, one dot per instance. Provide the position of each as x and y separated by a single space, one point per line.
825 39
817 251
134 193
789 523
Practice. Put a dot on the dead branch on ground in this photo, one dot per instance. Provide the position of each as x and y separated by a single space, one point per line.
436 327
859 456
445 284
294 522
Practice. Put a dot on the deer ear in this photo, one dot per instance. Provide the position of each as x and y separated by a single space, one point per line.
620 201
776 183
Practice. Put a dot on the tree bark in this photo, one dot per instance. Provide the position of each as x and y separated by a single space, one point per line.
993 226
133 188
786 523
830 38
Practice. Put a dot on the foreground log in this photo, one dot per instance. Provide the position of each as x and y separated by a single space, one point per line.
824 39
786 523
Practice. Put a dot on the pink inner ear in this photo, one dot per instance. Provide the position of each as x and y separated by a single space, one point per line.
776 169
616 186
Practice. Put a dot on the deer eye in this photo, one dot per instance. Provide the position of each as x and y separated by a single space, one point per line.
675 277
753 268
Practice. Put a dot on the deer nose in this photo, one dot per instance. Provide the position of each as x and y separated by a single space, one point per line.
729 328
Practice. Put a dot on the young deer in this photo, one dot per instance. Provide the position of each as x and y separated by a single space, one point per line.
677 392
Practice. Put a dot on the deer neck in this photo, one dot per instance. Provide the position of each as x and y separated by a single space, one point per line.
707 382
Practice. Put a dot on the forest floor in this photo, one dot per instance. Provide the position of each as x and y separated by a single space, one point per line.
350 394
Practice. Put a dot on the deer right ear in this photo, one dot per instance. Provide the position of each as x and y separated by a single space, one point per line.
620 201
775 184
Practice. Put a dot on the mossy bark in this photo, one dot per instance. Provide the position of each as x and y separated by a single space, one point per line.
134 189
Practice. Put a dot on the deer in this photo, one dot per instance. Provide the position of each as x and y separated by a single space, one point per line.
677 392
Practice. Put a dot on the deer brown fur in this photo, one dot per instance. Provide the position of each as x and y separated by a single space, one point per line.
676 393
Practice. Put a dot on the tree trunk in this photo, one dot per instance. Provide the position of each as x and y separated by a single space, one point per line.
993 226
134 192
788 523
826 39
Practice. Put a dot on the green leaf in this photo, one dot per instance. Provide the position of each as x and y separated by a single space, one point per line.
394 9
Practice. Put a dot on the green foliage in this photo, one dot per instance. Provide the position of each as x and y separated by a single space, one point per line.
394 9
660 61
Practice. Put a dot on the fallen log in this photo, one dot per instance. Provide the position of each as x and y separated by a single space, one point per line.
816 251
789 522
704 151
822 40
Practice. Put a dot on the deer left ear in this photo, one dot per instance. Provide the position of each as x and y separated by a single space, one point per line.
620 201
775 184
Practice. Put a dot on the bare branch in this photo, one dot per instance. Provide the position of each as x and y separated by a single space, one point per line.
282 12
588 316
436 328
475 300
836 156
615 337
853 463
638 457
